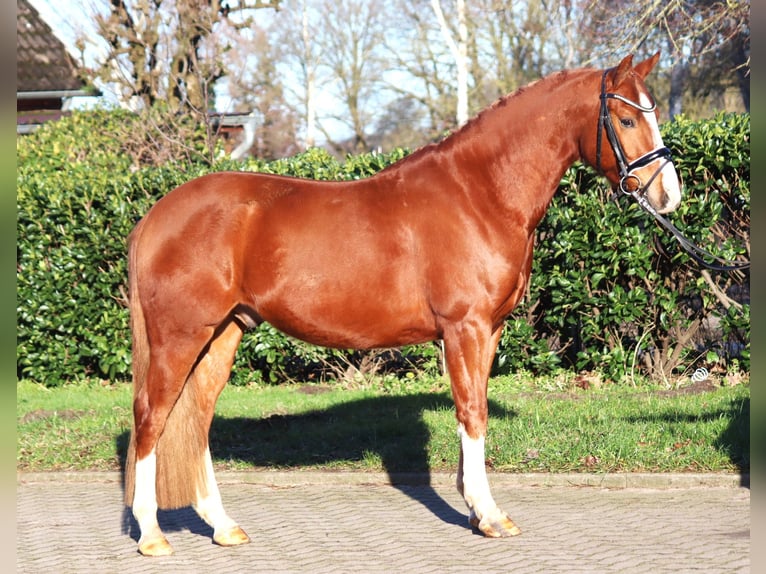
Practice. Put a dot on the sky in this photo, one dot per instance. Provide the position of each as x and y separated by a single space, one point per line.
71 19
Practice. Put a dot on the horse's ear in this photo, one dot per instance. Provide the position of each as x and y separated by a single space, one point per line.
622 70
643 68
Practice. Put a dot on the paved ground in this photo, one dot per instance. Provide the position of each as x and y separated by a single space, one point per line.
319 523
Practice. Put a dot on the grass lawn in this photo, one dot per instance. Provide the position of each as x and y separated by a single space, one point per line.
534 427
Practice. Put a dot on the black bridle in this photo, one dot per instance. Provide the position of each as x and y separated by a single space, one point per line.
630 184
625 167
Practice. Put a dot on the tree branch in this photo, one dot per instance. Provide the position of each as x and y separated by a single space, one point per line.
724 299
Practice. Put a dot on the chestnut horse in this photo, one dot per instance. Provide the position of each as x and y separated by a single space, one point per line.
436 246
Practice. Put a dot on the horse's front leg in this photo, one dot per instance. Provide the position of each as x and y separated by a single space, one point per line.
470 349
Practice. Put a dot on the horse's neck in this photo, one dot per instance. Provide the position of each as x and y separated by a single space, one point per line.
528 140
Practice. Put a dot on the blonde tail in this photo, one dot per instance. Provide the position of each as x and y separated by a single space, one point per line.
181 447
140 359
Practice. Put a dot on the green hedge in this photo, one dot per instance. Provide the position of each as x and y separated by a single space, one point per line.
613 291
610 290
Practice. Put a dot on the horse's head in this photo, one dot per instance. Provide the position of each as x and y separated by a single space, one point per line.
628 148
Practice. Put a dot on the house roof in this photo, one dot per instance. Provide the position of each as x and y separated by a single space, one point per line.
43 64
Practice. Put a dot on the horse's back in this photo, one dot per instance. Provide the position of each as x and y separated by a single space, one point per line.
335 263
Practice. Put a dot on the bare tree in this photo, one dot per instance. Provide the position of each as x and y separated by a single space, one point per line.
309 73
707 41
163 58
257 89
458 46
330 51
300 55
165 50
499 45
406 68
519 42
421 69
401 125
351 34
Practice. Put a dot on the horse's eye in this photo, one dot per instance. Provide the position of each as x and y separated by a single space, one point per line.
627 123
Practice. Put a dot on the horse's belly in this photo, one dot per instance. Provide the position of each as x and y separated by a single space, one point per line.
353 331
350 317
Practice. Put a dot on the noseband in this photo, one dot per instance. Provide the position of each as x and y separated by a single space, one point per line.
630 184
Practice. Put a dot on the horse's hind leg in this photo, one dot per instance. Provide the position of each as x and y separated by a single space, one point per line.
157 399
209 378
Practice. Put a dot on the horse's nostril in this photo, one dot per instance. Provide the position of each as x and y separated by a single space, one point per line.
667 203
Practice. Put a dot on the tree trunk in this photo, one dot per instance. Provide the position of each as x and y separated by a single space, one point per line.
459 51
310 140
678 74
739 57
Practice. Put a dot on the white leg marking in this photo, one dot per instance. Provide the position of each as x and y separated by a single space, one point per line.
210 507
475 484
152 540
226 532
485 515
145 495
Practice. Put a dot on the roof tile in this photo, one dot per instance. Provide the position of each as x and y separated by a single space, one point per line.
42 61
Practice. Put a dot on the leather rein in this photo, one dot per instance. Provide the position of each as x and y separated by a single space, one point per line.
630 184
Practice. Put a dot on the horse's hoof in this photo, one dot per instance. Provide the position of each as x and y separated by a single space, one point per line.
155 547
495 526
232 537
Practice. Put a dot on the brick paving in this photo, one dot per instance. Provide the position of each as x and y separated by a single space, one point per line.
346 522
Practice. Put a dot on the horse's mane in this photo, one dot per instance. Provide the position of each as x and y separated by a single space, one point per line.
508 99
503 101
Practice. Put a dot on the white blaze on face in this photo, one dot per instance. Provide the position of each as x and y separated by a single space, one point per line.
668 176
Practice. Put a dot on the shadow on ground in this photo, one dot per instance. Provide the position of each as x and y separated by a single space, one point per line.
391 428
